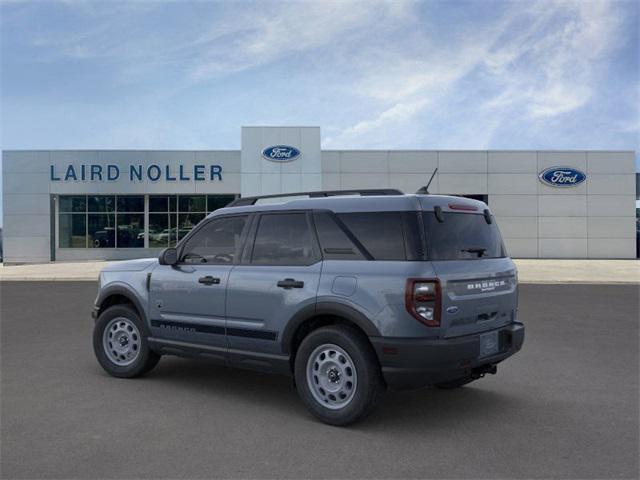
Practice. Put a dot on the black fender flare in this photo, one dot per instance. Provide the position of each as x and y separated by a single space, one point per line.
123 290
326 308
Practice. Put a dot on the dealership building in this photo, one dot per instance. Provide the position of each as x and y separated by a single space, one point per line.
117 204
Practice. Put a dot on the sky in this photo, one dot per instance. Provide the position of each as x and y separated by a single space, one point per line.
374 74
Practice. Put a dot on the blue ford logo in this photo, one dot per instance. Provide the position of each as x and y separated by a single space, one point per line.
562 177
281 153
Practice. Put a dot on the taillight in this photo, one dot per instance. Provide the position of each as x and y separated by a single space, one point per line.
422 299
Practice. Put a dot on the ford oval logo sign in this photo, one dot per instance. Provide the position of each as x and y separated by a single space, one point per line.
562 177
281 153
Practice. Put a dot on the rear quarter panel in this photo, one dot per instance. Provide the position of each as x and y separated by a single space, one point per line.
377 290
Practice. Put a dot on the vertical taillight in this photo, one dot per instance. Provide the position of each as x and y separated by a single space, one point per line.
422 299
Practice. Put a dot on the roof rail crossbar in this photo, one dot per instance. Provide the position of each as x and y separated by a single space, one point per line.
245 201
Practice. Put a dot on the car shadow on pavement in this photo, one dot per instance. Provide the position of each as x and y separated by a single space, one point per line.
275 394
433 408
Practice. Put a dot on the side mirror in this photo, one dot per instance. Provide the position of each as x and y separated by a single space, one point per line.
169 256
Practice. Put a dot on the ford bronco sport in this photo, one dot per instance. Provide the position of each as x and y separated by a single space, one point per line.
349 292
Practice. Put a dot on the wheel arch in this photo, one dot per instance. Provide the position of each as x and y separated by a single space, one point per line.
319 315
119 295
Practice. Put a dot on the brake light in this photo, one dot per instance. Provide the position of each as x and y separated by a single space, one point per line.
423 299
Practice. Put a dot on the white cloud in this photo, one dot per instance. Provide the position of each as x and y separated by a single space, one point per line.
540 60
400 112
232 37
374 72
261 37
566 57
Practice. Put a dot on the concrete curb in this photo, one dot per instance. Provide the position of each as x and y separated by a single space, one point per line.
521 282
546 272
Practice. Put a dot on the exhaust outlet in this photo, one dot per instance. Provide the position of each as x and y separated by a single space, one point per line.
483 370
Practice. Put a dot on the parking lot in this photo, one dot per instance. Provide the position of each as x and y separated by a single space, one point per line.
566 406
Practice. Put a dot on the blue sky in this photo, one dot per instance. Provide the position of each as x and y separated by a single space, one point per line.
374 74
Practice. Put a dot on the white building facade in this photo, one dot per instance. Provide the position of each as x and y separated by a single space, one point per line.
116 204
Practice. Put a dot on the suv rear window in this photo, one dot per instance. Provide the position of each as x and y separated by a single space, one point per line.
336 244
381 233
462 236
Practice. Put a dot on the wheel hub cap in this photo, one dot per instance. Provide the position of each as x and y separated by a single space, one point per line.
331 376
121 341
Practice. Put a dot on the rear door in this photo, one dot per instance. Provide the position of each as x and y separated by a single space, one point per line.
478 280
278 276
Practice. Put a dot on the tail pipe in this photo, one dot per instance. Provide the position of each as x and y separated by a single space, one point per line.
483 370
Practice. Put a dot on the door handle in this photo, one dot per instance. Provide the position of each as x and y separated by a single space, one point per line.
209 280
290 283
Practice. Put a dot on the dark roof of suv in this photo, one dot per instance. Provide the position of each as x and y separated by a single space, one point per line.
343 204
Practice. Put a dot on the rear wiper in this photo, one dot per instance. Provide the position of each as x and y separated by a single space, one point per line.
479 250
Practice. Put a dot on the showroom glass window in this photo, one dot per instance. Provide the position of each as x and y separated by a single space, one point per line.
191 210
171 217
72 221
101 221
162 221
130 221
118 221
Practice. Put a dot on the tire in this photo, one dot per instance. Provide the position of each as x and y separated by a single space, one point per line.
348 359
460 382
124 350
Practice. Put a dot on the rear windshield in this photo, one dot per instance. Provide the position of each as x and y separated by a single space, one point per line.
462 236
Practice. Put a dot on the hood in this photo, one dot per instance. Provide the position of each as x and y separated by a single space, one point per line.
130 265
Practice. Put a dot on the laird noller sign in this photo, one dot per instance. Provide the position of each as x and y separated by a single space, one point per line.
135 173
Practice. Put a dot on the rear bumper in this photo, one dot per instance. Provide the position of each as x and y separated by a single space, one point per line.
415 363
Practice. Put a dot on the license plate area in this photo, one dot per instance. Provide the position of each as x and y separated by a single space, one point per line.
489 344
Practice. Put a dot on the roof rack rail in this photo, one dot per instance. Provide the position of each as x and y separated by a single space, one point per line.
245 201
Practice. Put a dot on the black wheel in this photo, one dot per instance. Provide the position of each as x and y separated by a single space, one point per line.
337 375
120 343
459 382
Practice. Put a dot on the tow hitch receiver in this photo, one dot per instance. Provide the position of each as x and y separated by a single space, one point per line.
482 370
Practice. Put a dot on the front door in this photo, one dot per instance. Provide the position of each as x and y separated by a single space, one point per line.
278 276
187 300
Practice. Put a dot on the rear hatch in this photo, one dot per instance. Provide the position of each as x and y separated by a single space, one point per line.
478 281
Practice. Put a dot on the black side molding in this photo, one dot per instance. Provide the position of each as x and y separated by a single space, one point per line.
214 329
263 362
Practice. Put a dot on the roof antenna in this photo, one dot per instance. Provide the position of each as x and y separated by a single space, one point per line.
425 190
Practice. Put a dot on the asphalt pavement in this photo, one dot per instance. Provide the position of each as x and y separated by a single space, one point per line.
565 407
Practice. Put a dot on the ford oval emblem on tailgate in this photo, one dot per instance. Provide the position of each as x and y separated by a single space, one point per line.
452 309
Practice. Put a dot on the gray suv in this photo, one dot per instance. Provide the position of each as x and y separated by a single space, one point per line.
350 293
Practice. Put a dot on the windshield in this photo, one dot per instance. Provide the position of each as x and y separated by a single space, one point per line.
462 236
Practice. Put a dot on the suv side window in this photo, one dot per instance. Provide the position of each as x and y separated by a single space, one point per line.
335 243
381 233
217 243
283 239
